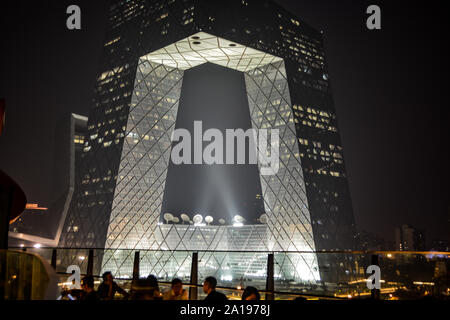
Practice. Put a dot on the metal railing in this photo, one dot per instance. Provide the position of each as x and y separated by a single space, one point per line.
342 274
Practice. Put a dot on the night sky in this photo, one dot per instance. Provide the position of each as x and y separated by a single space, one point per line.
388 85
216 96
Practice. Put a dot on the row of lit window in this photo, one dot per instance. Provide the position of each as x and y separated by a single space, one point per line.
300 45
101 124
96 180
114 83
325 172
79 139
304 52
325 159
162 17
317 122
315 61
317 144
112 41
317 125
113 72
312 117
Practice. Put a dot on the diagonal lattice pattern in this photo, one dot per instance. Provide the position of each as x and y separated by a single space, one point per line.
145 157
202 47
146 152
284 192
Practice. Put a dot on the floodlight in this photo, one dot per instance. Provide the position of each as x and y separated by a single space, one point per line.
185 217
197 219
209 219
168 217
263 218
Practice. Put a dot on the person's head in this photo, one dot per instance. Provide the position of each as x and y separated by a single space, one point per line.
87 283
152 281
251 293
177 286
107 276
209 284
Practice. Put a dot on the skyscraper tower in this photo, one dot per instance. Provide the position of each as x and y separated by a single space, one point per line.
148 47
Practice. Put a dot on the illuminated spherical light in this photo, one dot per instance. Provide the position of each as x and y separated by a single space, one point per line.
263 218
168 217
197 219
185 217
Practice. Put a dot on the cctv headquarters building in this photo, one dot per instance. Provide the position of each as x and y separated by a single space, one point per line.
162 63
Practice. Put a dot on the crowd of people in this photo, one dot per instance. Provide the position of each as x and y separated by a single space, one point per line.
148 289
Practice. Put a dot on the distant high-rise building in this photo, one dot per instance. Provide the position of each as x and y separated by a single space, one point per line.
440 245
45 226
409 239
149 46
419 240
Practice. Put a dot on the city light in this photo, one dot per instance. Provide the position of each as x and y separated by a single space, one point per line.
34 206
420 283
226 278
118 185
363 281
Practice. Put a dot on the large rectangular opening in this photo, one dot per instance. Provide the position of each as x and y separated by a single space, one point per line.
216 96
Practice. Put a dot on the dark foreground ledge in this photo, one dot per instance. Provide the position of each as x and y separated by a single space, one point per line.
230 310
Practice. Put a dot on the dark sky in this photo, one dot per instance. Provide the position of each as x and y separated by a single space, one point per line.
216 96
388 86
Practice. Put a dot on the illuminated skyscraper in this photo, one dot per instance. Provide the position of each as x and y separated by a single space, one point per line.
148 48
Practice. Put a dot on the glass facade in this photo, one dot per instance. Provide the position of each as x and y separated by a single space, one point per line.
148 46
405 275
134 221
